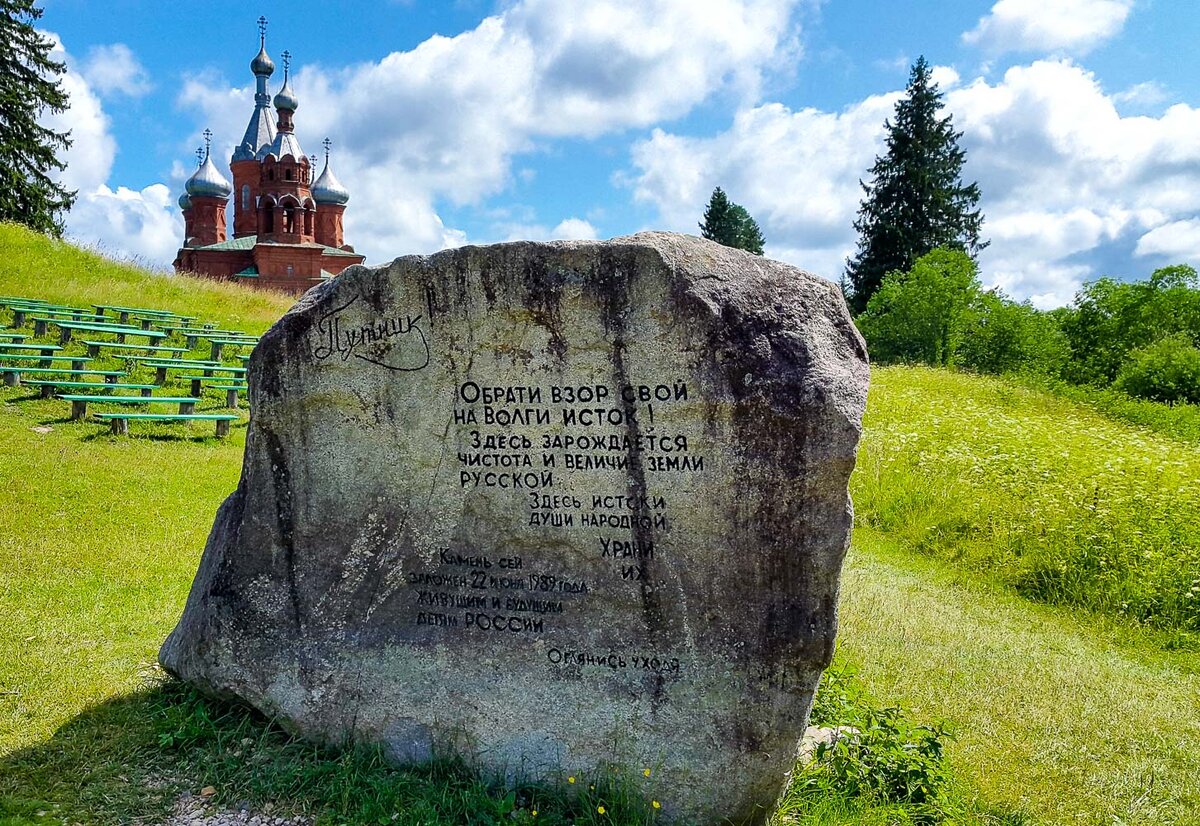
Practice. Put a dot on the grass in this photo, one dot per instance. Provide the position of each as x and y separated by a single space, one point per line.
1038 492
36 266
1075 709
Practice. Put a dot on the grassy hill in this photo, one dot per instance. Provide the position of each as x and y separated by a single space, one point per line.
1021 570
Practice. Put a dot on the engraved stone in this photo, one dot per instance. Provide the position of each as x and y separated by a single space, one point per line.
549 504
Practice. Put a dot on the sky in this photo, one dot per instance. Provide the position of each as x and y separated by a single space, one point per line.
473 121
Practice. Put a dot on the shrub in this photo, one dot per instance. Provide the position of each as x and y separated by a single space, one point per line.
1166 371
1007 337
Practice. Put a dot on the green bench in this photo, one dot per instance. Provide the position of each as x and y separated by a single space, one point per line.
218 344
123 313
79 402
231 392
49 386
13 337
94 348
67 327
44 316
43 352
77 362
198 381
14 347
12 373
207 369
120 421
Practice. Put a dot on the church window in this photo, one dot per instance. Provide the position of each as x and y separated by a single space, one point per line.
245 196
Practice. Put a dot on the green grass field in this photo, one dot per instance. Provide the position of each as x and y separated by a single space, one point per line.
1021 570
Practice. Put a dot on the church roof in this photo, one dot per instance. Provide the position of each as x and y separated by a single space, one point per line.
208 181
328 189
249 242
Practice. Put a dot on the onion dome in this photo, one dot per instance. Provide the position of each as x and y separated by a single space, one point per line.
208 182
328 189
286 99
262 63
185 201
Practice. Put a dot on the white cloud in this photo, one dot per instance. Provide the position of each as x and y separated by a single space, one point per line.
1068 183
142 225
128 223
445 120
114 70
1073 26
1178 241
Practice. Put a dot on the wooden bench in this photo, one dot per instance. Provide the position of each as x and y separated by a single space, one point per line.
207 369
14 337
67 327
45 316
14 347
120 421
79 402
12 373
218 344
77 362
231 392
94 348
123 313
198 381
43 352
49 386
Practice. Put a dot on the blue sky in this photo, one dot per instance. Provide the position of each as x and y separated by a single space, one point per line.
474 122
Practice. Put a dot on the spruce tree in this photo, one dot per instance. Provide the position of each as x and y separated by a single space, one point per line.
29 85
730 224
916 201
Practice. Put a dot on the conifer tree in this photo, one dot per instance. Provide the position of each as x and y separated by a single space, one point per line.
29 85
730 224
916 201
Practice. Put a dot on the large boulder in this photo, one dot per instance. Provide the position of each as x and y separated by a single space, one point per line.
551 504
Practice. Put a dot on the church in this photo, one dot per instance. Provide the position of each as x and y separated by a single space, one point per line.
287 228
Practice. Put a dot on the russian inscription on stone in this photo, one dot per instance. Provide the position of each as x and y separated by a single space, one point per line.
548 504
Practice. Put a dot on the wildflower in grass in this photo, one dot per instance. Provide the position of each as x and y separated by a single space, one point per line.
656 804
571 779
600 809
645 772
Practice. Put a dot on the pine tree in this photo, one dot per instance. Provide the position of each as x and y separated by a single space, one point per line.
916 201
730 224
29 84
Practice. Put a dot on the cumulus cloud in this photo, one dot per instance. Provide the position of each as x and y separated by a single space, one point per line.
125 223
1068 183
1072 26
445 120
1177 241
114 70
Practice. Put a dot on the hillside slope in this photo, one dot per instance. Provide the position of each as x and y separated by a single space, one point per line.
965 486
35 266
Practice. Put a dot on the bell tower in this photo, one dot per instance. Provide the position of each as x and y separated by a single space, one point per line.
260 132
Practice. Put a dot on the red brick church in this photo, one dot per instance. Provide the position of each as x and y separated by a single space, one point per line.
287 228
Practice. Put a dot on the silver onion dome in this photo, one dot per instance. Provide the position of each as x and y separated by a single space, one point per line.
328 189
262 63
286 99
185 201
207 181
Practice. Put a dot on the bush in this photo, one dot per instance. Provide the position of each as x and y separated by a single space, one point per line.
1166 371
1006 337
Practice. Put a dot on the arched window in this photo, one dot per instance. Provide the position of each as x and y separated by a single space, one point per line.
291 174
245 196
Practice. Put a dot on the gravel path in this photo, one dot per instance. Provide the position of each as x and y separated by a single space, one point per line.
195 810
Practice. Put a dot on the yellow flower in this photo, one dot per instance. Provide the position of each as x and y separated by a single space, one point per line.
535 812
571 779
645 772
600 809
656 804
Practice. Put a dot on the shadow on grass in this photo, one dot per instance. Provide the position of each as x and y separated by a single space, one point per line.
128 760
